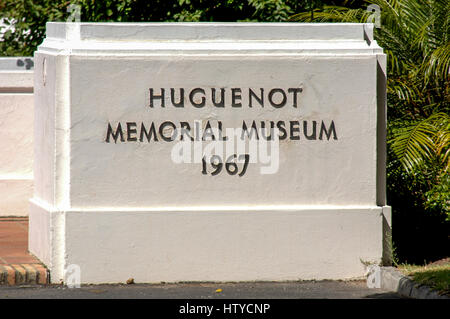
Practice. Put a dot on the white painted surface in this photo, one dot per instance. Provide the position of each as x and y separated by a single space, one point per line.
126 210
211 245
16 131
311 172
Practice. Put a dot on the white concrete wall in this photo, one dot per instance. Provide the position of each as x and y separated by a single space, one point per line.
16 135
121 210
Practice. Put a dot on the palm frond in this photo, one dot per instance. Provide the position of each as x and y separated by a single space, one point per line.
415 36
405 89
423 141
437 63
333 14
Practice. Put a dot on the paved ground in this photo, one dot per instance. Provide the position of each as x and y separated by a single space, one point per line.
263 290
14 241
17 266
14 257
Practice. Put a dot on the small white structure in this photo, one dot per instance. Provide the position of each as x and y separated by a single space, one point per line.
16 132
114 196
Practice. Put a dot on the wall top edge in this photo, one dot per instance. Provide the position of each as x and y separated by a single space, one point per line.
198 209
53 46
208 31
16 64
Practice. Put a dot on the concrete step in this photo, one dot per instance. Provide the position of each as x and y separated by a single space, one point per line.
23 274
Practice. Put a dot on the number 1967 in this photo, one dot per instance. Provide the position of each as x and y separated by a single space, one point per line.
230 165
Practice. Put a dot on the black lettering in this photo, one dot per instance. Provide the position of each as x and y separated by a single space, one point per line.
235 95
259 99
161 131
180 103
149 134
208 132
263 130
295 127
328 133
294 92
221 137
282 127
313 135
197 126
115 134
283 101
245 130
185 129
222 98
191 97
131 129
154 97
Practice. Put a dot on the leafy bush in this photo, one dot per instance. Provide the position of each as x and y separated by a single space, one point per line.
28 17
415 36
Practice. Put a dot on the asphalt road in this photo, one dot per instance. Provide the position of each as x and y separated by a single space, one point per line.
253 290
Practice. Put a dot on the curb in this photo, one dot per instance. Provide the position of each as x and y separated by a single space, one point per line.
23 274
394 280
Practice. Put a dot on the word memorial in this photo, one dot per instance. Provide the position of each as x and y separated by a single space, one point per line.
168 131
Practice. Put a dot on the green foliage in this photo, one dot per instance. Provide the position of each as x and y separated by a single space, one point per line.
207 10
420 230
438 197
28 21
236 10
272 10
127 10
415 36
423 143
437 277
28 17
